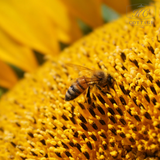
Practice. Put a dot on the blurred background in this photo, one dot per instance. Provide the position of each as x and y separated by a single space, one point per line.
32 30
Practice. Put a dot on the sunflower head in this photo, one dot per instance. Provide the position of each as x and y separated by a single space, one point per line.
118 121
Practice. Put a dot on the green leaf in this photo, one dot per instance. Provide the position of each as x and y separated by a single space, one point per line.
109 14
135 2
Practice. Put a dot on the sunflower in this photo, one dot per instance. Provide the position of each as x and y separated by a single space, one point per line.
118 122
29 27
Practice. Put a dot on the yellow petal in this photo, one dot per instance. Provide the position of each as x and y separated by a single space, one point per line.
119 6
26 22
7 76
75 31
87 10
16 54
66 26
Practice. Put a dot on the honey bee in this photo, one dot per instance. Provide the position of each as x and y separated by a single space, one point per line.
98 78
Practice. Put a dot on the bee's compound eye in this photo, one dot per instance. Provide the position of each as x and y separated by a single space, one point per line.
110 79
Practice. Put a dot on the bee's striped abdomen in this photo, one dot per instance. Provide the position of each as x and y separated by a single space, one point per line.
76 89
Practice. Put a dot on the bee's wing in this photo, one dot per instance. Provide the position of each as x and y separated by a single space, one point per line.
84 71
79 68
82 68
91 80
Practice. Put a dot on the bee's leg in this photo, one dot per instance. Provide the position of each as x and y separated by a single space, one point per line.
112 86
101 90
88 95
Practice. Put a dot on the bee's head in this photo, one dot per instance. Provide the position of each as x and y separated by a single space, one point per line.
99 75
104 79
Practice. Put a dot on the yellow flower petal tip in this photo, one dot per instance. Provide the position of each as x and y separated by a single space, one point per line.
118 122
8 78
